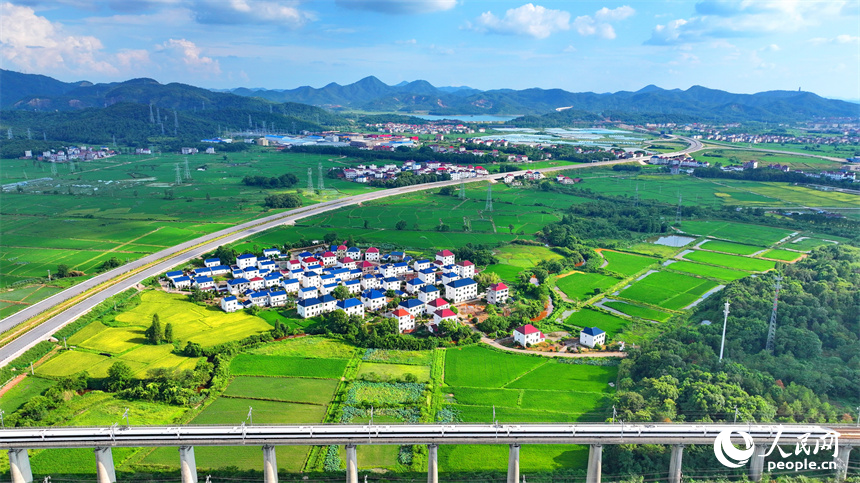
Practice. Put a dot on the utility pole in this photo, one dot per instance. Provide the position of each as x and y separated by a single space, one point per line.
771 329
250 416
725 321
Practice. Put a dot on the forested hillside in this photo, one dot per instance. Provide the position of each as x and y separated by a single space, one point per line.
816 361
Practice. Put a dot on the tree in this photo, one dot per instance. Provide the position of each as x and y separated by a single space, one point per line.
119 376
330 238
168 333
226 254
62 270
401 225
282 201
340 292
366 224
511 228
446 191
154 334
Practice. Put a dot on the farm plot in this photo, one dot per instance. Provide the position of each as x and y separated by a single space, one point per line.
728 247
505 272
638 311
729 261
625 263
418 358
17 396
611 324
673 291
738 232
710 271
260 365
316 347
479 366
782 255
524 256
571 377
806 244
494 458
284 389
397 372
74 361
362 392
581 285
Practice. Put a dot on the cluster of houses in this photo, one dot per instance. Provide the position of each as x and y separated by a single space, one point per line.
73 153
427 288
846 173
718 135
529 335
439 129
678 162
529 175
367 173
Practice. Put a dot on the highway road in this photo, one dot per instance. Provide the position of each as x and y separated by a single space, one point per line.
405 434
164 260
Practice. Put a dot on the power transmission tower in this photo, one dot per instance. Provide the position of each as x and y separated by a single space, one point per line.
310 179
29 135
187 170
175 123
54 169
321 182
725 321
462 190
71 166
250 124
178 174
158 117
9 133
678 213
636 203
771 329
44 136
489 206
151 116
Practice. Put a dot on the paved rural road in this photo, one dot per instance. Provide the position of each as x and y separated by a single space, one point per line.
178 255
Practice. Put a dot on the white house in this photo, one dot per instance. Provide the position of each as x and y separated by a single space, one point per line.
446 257
497 293
414 285
460 290
310 307
256 283
592 336
372 254
328 259
311 279
271 252
237 285
391 283
432 306
414 306
329 303
246 260
428 293
465 269
212 262
182 282
229 304
354 286
428 276
354 253
204 283
347 262
291 285
351 306
370 281
277 298
419 265
373 299
260 299
405 320
308 293
444 314
449 277
528 335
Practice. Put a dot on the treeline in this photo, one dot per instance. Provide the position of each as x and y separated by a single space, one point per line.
383 333
283 181
286 200
764 174
408 178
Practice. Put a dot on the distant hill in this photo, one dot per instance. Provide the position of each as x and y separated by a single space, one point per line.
15 86
650 102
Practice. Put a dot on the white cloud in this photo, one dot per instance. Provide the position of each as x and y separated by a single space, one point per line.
187 54
406 42
744 18
611 15
599 24
231 12
398 7
839 39
532 20
34 43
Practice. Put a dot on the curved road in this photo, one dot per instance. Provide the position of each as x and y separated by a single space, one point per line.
184 252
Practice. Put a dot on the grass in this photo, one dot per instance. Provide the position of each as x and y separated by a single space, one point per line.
384 393
611 324
807 244
418 358
567 401
28 388
473 396
291 459
710 271
738 232
729 261
728 247
638 311
494 458
394 371
505 272
669 290
625 263
286 389
259 365
581 285
524 256
570 377
371 456
229 410
315 347
478 366
782 255
75 361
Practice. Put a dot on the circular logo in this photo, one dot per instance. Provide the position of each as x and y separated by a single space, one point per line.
728 454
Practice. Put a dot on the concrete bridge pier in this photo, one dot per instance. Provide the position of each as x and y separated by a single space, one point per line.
757 462
841 462
270 465
105 472
19 466
595 463
675 463
514 464
187 464
432 463
351 464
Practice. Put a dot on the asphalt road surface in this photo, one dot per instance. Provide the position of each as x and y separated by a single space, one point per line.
177 255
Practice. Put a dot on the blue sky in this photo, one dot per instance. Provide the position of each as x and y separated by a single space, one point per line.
736 45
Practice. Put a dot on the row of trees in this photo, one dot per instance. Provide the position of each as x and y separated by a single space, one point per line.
285 200
283 181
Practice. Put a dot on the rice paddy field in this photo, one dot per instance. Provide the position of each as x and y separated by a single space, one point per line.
626 263
672 291
582 285
737 232
782 255
708 271
609 323
728 247
638 311
729 261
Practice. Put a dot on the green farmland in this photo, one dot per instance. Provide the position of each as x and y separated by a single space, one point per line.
611 324
729 261
638 311
738 232
626 263
581 285
672 291
731 248
709 271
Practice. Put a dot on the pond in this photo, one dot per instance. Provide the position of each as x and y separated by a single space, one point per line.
673 240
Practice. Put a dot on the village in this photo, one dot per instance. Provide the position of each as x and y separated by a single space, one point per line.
360 283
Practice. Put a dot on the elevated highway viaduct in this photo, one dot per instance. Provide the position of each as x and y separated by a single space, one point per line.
834 443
